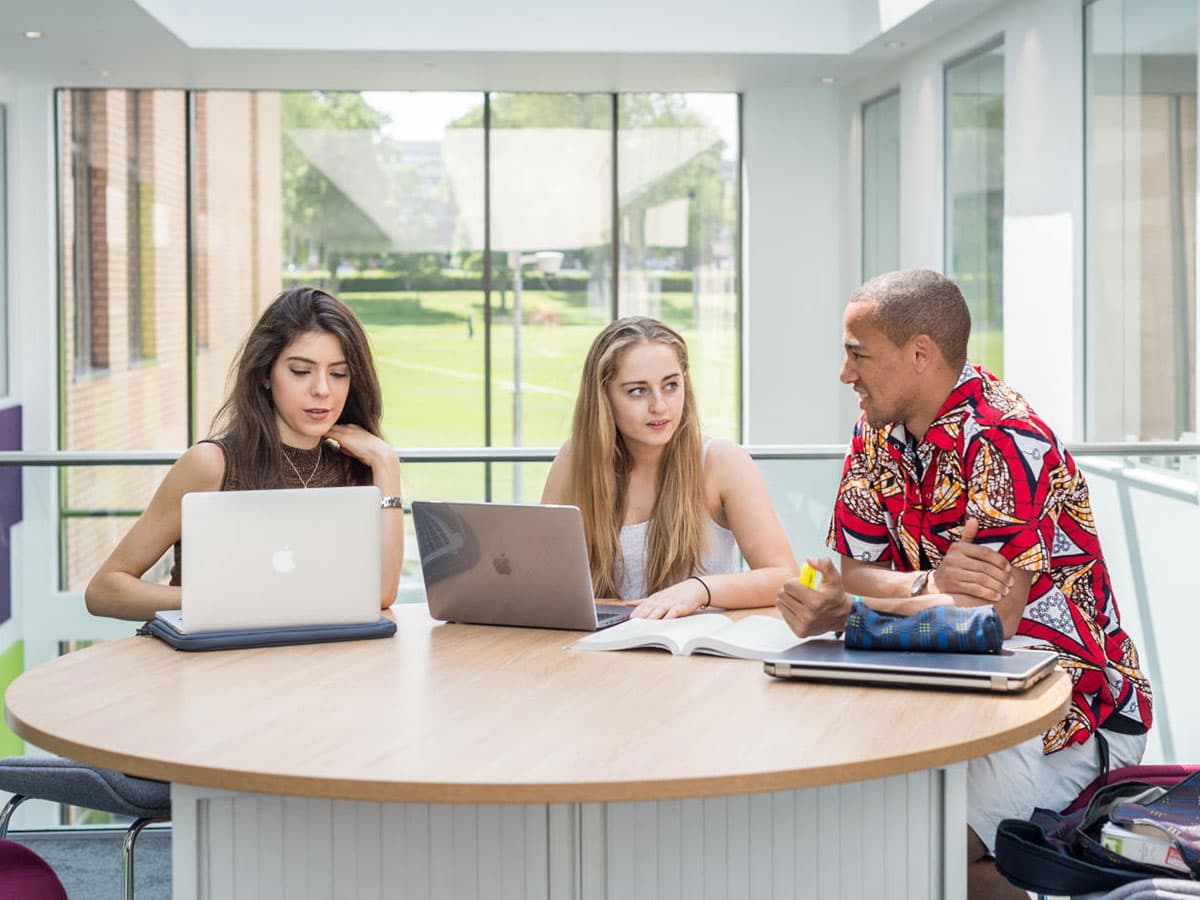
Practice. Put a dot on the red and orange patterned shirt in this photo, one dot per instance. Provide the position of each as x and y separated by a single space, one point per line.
987 455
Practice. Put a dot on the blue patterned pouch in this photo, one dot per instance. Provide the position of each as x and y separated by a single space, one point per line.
950 629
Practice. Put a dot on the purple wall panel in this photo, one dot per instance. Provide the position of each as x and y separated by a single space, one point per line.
10 504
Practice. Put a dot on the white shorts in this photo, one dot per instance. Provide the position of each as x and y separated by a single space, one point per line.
1009 783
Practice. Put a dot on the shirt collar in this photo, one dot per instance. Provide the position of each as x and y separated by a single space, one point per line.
944 430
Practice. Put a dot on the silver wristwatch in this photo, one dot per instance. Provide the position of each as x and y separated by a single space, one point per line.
396 502
918 584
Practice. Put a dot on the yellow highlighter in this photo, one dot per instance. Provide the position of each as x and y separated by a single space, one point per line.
808 576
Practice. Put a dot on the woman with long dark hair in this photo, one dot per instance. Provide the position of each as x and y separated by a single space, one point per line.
303 411
664 508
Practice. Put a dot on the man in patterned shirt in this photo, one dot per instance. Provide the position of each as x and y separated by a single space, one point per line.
955 491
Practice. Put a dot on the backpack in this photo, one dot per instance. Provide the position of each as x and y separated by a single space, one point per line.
1061 852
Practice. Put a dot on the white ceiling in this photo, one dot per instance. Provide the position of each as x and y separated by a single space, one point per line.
465 45
537 26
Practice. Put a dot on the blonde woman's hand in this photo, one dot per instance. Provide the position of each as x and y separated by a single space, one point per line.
678 600
810 611
359 443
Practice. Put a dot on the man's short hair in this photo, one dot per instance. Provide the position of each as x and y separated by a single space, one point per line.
917 301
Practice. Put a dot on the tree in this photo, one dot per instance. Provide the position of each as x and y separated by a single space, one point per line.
699 180
316 214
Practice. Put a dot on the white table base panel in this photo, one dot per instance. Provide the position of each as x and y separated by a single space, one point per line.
897 837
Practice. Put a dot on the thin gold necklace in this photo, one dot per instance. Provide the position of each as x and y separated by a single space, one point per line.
311 475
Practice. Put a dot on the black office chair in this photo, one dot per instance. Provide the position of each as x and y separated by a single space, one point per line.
65 781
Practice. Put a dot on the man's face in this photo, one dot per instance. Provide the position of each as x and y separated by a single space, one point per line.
879 371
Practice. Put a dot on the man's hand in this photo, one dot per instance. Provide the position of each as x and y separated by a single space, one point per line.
810 611
969 571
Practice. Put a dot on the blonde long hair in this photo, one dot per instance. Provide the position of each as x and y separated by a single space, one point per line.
600 465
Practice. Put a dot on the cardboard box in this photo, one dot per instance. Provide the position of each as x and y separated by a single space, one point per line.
1144 848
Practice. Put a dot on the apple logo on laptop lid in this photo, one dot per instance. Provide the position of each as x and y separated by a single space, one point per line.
502 565
283 561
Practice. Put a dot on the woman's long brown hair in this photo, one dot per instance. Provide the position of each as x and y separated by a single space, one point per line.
246 425
600 464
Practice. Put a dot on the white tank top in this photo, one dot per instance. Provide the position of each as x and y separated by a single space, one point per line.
719 558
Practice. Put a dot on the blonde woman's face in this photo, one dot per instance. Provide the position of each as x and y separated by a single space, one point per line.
309 384
646 394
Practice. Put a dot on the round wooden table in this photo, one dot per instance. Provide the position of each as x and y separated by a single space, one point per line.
491 750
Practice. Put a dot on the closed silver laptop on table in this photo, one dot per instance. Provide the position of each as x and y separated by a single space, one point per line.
275 559
829 660
499 564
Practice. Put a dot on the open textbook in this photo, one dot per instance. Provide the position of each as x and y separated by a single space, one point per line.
754 637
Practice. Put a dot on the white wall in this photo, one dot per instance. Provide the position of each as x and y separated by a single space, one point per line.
794 215
1044 210
33 297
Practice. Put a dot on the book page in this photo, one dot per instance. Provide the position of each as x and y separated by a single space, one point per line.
754 637
669 634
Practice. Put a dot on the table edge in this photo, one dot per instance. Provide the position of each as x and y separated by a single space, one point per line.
607 791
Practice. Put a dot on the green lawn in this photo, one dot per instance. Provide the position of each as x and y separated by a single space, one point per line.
431 366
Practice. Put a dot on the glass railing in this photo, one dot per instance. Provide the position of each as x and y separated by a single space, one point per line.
74 507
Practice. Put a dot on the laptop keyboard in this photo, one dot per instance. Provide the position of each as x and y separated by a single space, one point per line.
611 614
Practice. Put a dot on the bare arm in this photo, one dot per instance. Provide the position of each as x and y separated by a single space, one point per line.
385 475
117 589
759 534
556 489
968 571
969 575
871 579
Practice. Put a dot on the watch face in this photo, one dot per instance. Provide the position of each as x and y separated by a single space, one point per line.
918 584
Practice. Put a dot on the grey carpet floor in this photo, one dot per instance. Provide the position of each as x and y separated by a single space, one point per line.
89 863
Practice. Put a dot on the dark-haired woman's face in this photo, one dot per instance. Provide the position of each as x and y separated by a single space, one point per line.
309 383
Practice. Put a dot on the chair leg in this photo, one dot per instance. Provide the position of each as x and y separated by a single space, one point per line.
6 815
127 853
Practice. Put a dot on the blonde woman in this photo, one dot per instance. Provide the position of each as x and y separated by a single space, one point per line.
664 508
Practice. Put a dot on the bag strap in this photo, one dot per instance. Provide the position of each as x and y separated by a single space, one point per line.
1103 753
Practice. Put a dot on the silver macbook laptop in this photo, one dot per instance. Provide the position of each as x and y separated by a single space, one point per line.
274 559
497 564
830 660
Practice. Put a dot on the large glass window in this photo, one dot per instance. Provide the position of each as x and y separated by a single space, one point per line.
974 160
236 231
881 185
678 199
476 236
1141 219
383 202
551 189
139 219
89 335
123 195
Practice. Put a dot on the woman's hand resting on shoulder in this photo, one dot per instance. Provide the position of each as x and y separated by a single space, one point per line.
361 444
678 600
